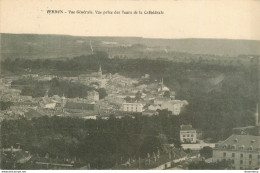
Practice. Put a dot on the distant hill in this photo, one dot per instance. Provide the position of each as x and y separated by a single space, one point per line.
58 46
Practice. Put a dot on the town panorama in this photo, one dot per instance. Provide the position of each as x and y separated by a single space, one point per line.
128 103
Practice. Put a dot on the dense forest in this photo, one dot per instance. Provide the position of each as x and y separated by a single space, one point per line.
5 105
102 143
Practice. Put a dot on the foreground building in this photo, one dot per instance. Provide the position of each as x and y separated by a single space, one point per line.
243 151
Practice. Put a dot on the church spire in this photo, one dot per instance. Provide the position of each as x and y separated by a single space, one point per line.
162 83
100 71
100 68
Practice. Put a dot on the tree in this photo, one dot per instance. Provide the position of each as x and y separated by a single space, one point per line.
206 152
138 96
5 105
102 93
128 99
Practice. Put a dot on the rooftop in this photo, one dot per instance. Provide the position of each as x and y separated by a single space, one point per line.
186 127
241 142
85 106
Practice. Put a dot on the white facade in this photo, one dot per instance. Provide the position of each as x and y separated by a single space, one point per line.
188 134
132 107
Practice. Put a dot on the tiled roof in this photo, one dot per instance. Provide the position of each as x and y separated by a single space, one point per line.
84 106
186 127
241 142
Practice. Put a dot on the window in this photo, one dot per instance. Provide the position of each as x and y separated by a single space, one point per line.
241 155
188 135
241 161
224 154
250 156
250 162
191 135
233 154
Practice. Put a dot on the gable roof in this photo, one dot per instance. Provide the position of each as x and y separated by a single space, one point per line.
186 127
243 142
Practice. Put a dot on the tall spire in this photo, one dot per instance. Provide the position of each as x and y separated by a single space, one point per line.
100 68
100 71
162 83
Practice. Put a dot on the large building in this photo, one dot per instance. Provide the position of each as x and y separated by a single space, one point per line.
132 107
243 151
188 134
175 106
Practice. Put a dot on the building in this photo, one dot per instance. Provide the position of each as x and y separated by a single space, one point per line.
188 134
132 107
154 107
160 100
93 95
162 88
80 106
243 151
175 106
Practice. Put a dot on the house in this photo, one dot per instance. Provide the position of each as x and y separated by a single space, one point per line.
93 117
188 134
160 100
175 106
50 106
154 107
132 107
243 151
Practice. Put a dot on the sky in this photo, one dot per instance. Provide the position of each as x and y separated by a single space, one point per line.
229 19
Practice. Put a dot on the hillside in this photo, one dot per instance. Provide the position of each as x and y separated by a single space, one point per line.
58 46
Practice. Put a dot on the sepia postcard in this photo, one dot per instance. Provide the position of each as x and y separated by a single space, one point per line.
129 85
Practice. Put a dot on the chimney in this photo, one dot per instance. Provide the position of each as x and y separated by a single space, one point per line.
256 115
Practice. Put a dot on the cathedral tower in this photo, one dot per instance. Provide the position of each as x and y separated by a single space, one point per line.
100 72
